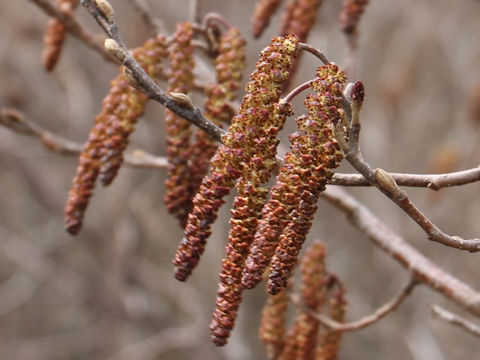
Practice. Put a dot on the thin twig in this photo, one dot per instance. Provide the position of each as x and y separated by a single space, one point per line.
18 123
393 244
455 320
316 52
430 181
390 188
154 24
291 95
368 320
74 28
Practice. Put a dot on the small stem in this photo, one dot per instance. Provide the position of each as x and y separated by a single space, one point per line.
316 52
289 97
455 320
368 320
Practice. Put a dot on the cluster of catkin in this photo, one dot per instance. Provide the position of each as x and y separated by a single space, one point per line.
299 16
55 35
320 292
189 162
102 155
265 232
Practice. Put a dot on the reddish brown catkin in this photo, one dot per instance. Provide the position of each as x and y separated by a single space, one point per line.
247 208
179 150
55 35
299 18
229 65
120 110
264 10
350 15
263 91
122 124
299 183
303 336
314 155
272 323
328 345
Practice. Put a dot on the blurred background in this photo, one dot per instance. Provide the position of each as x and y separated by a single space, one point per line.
109 293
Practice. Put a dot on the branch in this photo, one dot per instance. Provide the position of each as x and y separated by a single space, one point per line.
17 122
393 244
387 185
74 28
430 181
368 320
455 320
155 25
145 83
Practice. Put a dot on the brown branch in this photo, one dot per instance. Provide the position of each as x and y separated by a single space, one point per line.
15 121
314 51
368 320
455 320
430 181
387 185
145 82
393 244
154 24
74 28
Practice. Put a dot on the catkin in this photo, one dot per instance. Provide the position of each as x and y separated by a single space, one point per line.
350 15
102 154
55 35
264 10
229 65
263 91
179 150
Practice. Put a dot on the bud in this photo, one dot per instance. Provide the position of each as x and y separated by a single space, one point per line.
182 99
106 10
115 49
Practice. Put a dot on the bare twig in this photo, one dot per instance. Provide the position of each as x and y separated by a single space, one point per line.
74 28
390 188
455 320
154 24
368 320
393 244
289 97
316 52
17 122
430 181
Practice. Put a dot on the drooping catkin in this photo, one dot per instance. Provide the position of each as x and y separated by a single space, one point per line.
229 65
247 208
328 345
55 35
102 154
302 339
264 10
272 323
263 91
179 150
299 18
286 218
350 15
314 155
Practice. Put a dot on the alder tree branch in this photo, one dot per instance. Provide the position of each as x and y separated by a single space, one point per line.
145 83
387 185
154 24
393 244
15 121
74 28
18 123
454 319
365 321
